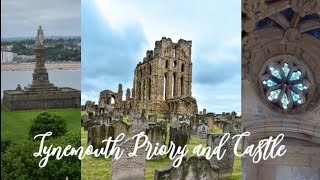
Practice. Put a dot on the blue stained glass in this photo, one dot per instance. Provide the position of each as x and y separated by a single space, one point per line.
296 97
269 83
295 75
301 86
275 72
285 101
295 79
286 69
274 94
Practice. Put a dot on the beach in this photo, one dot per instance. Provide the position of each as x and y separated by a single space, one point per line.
49 66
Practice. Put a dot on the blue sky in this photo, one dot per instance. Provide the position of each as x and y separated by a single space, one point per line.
116 35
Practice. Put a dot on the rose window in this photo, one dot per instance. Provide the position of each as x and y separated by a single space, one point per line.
285 84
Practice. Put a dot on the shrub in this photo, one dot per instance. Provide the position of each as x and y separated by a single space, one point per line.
46 122
18 161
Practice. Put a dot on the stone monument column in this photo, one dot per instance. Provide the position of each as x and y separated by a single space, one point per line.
40 74
40 78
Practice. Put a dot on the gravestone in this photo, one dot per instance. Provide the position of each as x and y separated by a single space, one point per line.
228 127
194 123
120 127
98 133
138 125
210 121
191 168
185 128
126 167
152 118
130 117
118 118
156 135
203 131
107 120
88 124
226 163
163 124
178 137
174 122
131 112
84 118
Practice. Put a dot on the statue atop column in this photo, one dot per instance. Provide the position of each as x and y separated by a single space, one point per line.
40 37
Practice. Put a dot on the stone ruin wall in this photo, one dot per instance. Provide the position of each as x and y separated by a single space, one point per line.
164 75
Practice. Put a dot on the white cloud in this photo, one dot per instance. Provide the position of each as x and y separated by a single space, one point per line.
214 28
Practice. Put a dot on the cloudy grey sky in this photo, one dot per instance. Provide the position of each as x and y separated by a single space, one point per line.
116 35
21 18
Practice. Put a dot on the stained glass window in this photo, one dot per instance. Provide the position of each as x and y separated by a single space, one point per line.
285 84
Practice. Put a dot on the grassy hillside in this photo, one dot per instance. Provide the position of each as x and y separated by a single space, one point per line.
15 124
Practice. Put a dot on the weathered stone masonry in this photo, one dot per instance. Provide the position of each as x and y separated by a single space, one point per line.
162 82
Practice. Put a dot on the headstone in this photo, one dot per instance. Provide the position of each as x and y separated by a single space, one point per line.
185 128
203 131
178 137
152 118
174 122
138 125
88 124
194 123
130 117
127 167
131 112
84 118
163 124
228 127
226 163
191 168
107 120
204 112
118 118
98 133
156 135
120 127
210 122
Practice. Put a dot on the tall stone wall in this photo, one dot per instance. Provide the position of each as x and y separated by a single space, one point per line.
162 81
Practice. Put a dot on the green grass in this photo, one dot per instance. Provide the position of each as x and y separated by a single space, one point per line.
15 124
100 168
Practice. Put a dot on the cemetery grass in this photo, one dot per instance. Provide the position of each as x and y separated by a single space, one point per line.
15 124
100 168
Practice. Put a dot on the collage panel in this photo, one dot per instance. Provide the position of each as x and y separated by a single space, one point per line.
165 69
281 87
40 88
163 90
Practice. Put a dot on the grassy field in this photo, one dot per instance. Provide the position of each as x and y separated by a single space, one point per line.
100 168
15 124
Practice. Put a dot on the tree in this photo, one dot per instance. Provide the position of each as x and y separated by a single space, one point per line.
18 161
5 143
46 122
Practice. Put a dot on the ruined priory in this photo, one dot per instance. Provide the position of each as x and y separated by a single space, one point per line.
162 82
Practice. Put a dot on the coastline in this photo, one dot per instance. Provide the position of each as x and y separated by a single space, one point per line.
49 66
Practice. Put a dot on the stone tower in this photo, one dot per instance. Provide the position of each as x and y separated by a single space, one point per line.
281 85
163 80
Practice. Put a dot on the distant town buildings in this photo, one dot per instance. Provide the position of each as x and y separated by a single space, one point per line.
57 49
7 57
